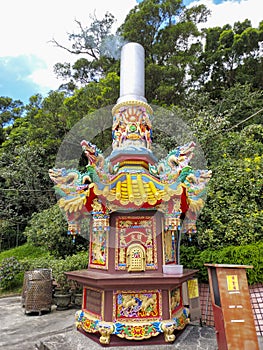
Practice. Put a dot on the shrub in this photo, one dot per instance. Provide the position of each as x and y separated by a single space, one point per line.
251 254
10 270
48 229
58 266
70 263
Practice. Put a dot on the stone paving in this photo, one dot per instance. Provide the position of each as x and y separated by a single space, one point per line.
193 338
56 330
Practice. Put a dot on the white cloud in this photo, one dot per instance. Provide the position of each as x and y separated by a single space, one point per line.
45 79
231 11
27 26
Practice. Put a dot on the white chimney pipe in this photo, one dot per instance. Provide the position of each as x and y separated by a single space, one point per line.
132 73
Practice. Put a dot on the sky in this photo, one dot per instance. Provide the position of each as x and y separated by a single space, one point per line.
27 56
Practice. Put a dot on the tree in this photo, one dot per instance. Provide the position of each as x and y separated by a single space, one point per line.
25 158
235 108
169 34
48 229
233 214
231 55
10 110
232 143
89 42
26 186
231 135
240 103
95 95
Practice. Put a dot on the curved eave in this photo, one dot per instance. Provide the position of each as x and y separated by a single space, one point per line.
137 189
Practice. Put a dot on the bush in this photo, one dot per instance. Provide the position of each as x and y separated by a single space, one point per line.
59 266
251 254
10 273
12 268
48 229
75 262
24 255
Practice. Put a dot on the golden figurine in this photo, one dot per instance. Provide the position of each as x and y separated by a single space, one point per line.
168 330
105 330
122 256
149 255
168 245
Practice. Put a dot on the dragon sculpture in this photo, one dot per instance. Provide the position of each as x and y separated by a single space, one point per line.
196 188
77 190
169 168
103 168
71 186
93 153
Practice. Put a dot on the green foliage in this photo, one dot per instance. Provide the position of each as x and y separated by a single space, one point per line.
10 110
25 157
22 256
49 229
58 266
251 255
24 251
10 269
240 102
70 263
91 42
233 214
15 262
231 55
25 183
95 95
9 234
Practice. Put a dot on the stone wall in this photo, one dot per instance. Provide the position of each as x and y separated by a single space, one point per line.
256 297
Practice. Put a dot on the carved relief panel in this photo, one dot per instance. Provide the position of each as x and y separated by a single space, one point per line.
136 243
132 305
98 252
175 300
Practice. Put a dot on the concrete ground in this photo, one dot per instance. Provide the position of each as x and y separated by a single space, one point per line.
56 330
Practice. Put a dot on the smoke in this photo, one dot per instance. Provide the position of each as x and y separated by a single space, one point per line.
111 46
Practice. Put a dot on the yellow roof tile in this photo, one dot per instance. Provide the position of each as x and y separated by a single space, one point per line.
136 188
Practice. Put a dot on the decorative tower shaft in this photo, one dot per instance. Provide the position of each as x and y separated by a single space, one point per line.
135 203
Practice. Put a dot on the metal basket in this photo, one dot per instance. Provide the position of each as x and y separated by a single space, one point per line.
37 290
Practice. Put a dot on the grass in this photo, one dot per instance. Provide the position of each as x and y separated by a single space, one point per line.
25 251
31 257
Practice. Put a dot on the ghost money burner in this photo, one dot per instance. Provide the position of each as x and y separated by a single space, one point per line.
132 287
